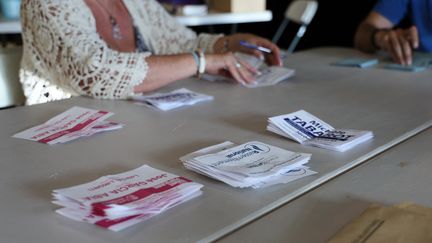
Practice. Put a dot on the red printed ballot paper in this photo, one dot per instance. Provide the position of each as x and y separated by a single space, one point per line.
118 201
72 124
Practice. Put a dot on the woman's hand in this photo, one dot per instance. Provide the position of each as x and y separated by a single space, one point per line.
231 43
399 43
228 65
164 70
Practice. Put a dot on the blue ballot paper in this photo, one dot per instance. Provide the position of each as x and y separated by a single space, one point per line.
356 62
418 64
410 68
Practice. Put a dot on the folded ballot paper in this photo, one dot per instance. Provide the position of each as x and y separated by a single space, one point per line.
305 128
252 164
72 124
118 201
172 100
267 75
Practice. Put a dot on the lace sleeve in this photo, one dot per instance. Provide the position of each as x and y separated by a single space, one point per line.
64 47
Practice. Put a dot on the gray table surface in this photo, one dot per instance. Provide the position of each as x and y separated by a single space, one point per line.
397 176
394 105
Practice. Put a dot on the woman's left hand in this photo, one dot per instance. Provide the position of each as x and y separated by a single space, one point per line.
231 43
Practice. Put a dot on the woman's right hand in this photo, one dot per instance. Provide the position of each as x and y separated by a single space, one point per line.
228 65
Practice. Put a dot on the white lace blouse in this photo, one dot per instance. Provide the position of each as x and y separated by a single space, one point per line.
64 55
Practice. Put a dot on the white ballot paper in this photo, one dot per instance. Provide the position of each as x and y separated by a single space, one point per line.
74 123
118 201
267 75
305 128
253 164
171 100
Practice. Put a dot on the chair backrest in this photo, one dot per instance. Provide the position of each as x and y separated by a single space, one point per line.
301 11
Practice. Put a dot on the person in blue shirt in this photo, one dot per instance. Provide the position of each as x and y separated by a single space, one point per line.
379 30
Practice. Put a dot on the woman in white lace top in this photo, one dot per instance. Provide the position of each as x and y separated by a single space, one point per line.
110 49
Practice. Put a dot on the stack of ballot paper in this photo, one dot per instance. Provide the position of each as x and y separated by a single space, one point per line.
305 128
171 100
74 123
266 76
252 164
420 62
119 201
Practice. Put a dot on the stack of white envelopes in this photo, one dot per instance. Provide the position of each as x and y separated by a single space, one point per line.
252 164
172 100
305 128
119 201
72 124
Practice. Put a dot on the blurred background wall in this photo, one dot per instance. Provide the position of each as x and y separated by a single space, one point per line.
334 24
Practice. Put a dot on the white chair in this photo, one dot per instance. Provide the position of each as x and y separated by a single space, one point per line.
300 12
11 93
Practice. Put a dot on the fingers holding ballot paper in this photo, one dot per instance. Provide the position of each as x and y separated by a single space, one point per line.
264 75
250 44
227 65
272 56
255 61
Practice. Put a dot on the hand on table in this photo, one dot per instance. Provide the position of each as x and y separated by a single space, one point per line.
399 43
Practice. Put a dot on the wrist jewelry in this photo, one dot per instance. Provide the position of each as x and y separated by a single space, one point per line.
196 59
202 63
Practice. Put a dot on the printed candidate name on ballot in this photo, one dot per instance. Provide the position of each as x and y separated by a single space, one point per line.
305 128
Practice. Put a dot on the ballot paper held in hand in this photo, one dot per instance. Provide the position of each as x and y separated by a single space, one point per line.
118 201
266 75
172 100
305 128
253 164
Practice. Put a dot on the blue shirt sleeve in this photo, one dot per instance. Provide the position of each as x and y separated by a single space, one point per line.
393 10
